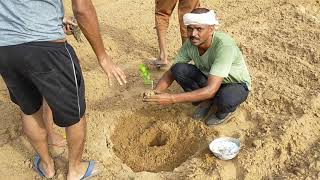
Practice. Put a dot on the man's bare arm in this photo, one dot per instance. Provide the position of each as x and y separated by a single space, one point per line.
164 82
86 16
214 83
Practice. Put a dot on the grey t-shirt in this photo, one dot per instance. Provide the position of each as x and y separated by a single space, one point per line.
23 21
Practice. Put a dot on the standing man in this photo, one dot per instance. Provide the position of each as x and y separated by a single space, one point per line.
56 140
37 63
163 11
219 76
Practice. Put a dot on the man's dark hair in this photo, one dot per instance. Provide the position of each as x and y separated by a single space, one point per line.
200 10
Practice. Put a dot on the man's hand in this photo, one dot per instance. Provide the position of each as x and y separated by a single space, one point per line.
112 71
69 23
148 93
162 99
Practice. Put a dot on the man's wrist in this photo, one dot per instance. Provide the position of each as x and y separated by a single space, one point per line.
104 58
173 99
156 90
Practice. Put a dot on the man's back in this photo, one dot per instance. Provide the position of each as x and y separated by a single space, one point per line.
24 21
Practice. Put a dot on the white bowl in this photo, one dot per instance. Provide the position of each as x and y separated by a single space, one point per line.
225 148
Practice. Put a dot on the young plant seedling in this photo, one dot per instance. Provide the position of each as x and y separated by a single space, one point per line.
145 74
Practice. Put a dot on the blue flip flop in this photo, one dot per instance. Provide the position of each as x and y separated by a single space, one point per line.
89 170
36 165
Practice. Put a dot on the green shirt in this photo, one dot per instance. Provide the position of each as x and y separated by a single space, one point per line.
223 58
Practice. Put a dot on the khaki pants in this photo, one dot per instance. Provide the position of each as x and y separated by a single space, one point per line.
163 11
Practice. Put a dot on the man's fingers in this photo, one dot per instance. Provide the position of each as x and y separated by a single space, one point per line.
116 75
156 97
150 101
152 98
119 74
109 79
153 103
73 23
114 72
122 75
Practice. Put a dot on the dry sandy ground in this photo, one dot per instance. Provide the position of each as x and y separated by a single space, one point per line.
278 126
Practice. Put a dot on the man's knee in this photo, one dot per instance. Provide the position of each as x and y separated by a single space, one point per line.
225 106
179 70
228 101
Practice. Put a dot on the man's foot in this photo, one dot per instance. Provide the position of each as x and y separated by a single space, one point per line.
202 110
218 118
86 170
158 63
44 170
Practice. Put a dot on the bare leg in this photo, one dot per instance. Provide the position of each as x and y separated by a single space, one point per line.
76 135
163 55
163 11
34 129
53 137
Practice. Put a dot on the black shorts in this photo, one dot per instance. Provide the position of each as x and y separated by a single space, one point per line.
37 70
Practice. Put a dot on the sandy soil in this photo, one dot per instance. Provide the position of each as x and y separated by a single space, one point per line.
278 126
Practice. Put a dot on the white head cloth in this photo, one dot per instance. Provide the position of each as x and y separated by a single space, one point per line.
208 18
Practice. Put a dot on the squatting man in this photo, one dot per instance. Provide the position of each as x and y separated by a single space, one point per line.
218 76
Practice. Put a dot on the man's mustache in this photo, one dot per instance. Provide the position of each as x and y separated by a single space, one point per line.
192 38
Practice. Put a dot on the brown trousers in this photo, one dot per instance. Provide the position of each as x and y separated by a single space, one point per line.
163 11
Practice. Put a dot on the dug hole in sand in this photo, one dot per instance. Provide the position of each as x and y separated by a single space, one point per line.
278 125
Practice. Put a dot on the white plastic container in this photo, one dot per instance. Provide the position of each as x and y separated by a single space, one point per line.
225 148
